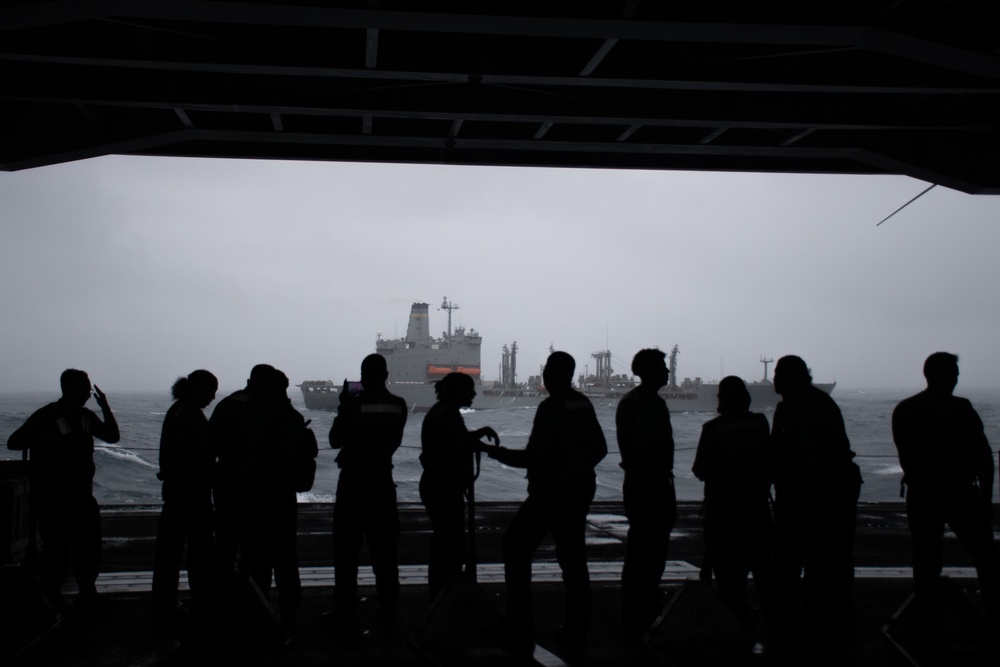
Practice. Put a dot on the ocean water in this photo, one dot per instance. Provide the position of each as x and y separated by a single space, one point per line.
126 472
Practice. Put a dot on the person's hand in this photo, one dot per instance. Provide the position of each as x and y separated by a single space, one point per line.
346 396
101 398
491 450
489 434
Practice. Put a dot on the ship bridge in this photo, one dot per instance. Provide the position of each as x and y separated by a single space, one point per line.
827 86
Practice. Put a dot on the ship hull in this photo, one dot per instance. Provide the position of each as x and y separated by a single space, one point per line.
420 397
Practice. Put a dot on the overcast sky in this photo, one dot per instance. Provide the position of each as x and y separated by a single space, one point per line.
142 269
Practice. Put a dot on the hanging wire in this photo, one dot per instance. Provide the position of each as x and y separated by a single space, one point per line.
932 186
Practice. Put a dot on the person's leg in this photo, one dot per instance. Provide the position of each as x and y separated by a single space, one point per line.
347 538
926 520
200 555
169 552
971 523
569 525
524 534
382 532
448 544
86 537
651 511
285 559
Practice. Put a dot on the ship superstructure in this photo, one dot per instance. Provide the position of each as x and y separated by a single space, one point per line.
418 360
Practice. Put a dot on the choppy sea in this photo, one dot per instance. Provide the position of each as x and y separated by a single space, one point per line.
126 472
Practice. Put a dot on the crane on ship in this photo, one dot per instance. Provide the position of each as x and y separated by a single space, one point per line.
449 306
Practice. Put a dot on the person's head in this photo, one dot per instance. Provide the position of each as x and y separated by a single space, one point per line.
941 371
651 367
280 381
75 386
374 371
261 379
456 389
733 395
197 388
558 372
791 375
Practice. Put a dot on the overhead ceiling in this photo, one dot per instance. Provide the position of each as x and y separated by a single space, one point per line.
826 86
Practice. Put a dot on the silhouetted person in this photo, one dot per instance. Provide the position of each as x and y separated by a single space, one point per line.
565 445
816 485
368 430
187 462
290 445
60 439
260 438
948 471
646 442
447 456
242 430
733 459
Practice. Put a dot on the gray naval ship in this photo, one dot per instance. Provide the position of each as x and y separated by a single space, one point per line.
419 360
688 395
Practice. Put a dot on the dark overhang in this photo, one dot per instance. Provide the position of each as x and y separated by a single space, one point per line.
821 86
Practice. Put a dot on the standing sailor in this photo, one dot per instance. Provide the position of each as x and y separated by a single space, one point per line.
646 443
368 430
816 488
948 471
60 439
187 461
565 445
448 459
733 461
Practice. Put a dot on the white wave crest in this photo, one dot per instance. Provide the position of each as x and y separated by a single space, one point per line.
123 454
313 497
888 469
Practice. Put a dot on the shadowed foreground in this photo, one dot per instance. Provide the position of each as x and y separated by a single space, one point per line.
122 637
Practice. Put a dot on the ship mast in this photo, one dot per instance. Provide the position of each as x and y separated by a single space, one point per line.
449 306
508 366
513 364
673 367
765 361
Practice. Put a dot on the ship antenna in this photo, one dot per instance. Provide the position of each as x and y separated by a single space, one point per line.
764 360
449 306
673 367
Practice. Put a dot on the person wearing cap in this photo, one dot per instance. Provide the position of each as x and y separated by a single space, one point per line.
367 430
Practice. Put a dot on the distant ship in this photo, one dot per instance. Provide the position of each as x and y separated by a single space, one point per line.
687 396
417 361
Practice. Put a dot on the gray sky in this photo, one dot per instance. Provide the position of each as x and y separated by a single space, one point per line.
142 269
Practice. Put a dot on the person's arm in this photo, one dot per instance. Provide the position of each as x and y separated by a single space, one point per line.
167 439
26 435
901 436
700 467
598 443
106 430
985 468
623 429
517 458
397 436
341 427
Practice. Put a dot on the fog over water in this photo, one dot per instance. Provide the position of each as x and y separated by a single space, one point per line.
142 269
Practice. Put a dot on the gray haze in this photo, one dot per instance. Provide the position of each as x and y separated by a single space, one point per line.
142 269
